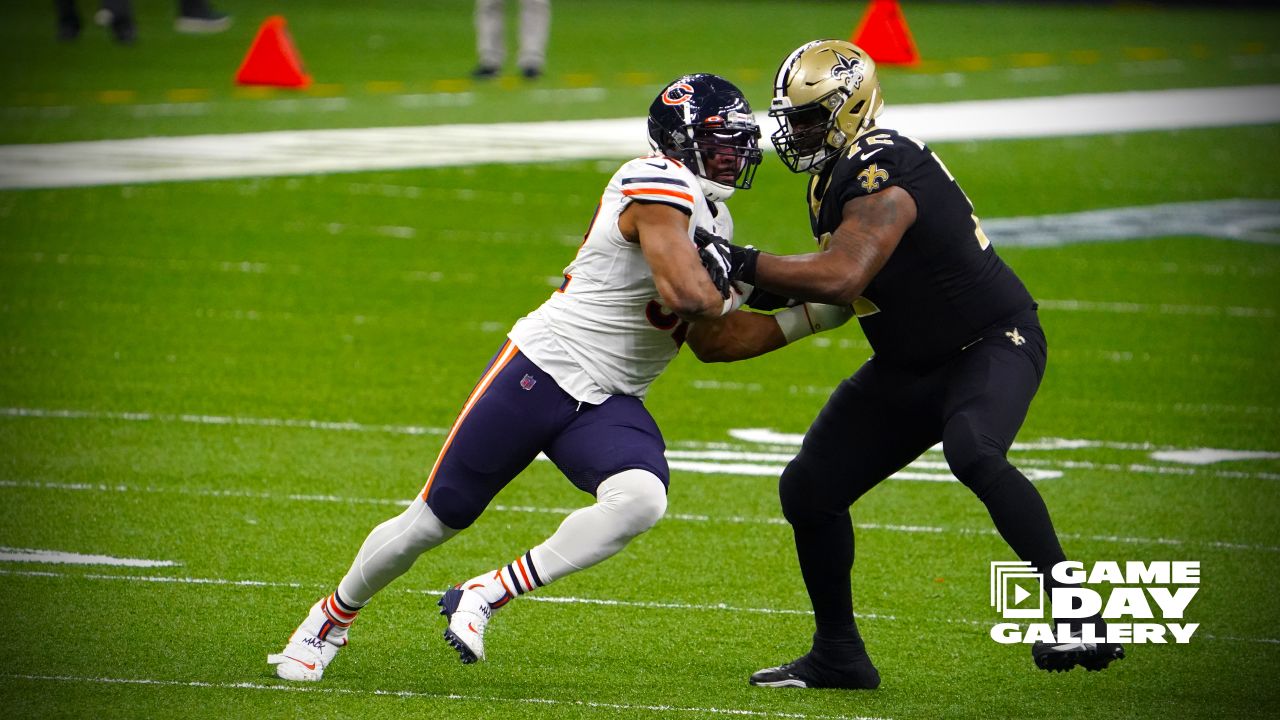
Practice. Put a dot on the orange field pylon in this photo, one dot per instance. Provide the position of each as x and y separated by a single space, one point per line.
884 35
272 58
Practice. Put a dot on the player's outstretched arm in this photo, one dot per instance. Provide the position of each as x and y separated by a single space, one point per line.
869 232
682 281
741 335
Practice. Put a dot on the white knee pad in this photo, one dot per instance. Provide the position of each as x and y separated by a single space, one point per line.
635 498
627 504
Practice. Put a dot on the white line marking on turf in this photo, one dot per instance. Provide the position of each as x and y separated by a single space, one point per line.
682 517
312 688
1243 220
152 579
1206 456
1129 308
34 555
762 436
324 151
221 420
601 602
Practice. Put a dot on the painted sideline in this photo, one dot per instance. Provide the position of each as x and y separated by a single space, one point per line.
204 157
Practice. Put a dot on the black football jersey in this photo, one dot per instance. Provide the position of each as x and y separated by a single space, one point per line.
943 284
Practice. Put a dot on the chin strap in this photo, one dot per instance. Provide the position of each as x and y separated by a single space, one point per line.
715 192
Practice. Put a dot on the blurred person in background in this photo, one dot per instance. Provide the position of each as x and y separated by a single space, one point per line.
194 16
491 42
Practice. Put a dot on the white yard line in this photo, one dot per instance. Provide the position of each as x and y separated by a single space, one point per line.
557 600
712 458
677 517
203 157
221 420
418 694
57 557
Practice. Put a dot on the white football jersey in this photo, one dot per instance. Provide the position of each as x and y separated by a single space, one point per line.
605 331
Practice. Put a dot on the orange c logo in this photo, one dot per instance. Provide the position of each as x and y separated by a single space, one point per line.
677 94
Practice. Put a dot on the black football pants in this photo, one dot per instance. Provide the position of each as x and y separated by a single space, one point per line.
882 418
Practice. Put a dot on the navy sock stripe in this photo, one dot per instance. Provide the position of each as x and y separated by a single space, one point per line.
515 580
343 604
528 560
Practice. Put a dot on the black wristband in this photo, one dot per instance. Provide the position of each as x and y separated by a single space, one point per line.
747 271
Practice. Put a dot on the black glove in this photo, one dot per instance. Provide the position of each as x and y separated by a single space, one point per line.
766 301
741 260
717 265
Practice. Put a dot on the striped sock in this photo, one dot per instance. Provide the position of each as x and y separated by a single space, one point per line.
510 581
338 616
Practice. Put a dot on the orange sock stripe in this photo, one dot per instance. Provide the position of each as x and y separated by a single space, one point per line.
336 613
524 574
508 352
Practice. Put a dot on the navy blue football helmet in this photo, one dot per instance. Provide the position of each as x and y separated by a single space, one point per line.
704 121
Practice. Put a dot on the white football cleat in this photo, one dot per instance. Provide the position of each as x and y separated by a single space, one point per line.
311 647
468 614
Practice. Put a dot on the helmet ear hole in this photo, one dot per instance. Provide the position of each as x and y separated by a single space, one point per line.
858 108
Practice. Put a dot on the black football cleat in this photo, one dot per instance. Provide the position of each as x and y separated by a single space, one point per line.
810 672
1061 657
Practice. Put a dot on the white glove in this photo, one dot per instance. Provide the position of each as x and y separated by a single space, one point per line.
809 318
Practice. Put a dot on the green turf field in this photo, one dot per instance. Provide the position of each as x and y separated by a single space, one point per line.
244 377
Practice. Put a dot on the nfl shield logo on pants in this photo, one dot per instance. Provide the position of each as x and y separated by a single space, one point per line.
527 382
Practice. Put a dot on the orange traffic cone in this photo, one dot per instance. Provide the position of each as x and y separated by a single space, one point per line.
272 59
884 35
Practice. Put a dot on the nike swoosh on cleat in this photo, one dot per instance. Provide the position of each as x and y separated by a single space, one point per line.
663 166
472 628
309 666
867 156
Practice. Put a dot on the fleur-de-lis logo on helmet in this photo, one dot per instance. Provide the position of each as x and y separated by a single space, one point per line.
847 69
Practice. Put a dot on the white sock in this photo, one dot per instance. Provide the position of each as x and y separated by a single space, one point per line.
510 581
389 552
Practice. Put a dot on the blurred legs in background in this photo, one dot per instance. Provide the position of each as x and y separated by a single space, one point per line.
491 47
194 16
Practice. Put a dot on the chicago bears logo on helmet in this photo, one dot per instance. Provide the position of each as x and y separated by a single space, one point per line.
678 94
704 122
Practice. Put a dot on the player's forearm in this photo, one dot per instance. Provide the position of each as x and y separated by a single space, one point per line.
736 336
692 299
814 277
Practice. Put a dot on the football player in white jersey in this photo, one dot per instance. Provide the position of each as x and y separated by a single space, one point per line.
571 378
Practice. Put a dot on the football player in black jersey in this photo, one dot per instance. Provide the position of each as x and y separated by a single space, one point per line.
958 349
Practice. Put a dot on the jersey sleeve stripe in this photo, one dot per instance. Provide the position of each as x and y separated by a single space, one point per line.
659 191
665 180
686 209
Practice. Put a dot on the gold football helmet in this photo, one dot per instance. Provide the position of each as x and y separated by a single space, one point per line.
825 95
